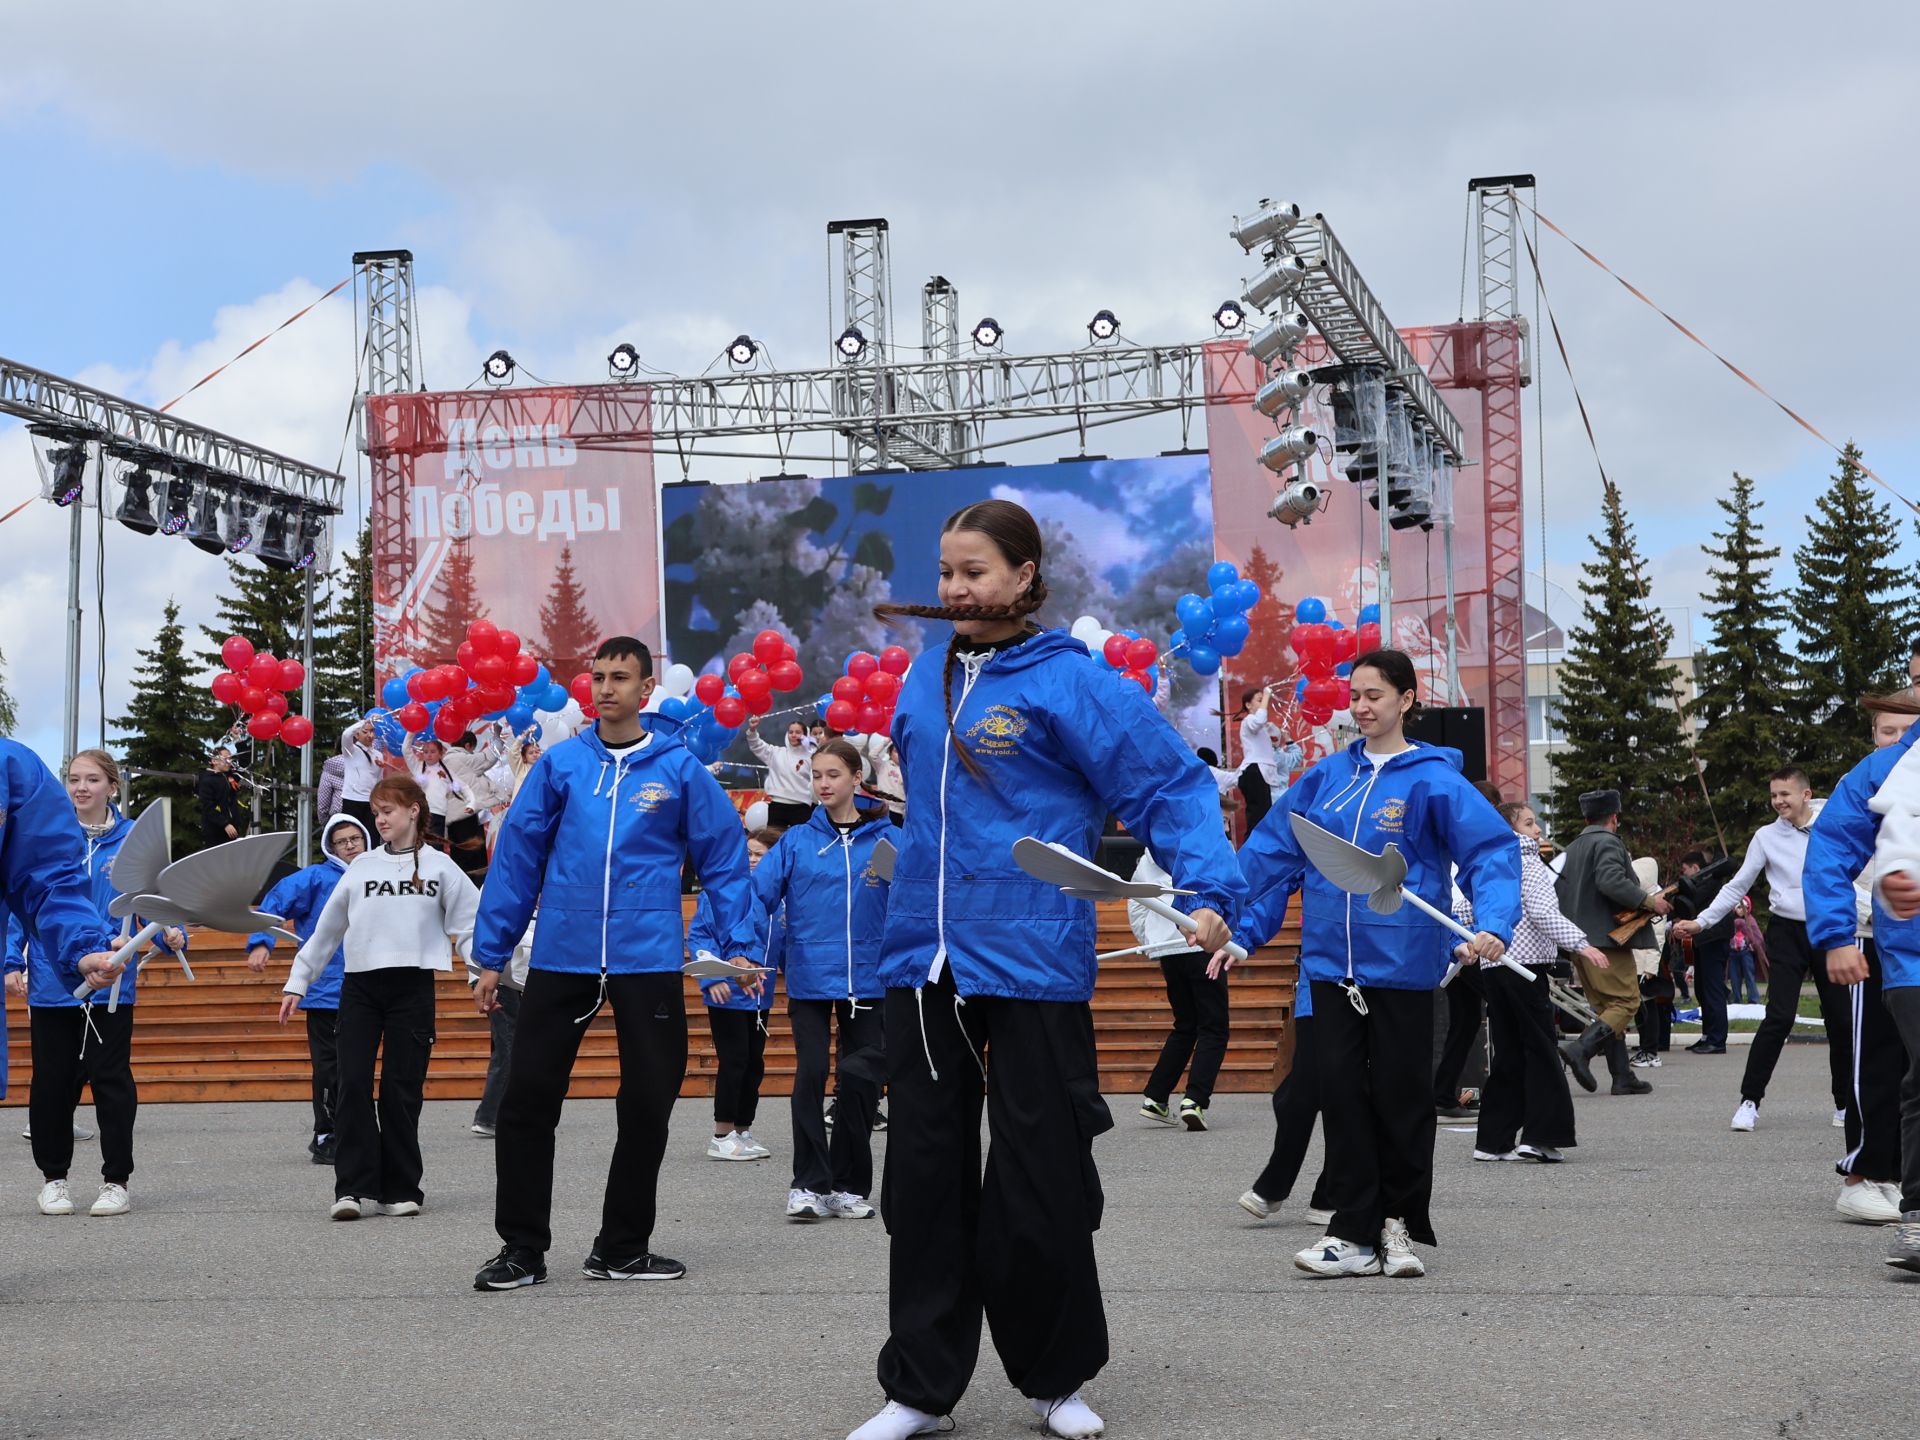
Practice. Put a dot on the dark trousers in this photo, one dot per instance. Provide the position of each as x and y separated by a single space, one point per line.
1656 1013
650 1024
500 1024
1376 1092
1016 1244
1790 957
1903 1004
324 1050
1526 1092
361 810
1879 1065
1199 1029
740 1048
1464 1009
1296 1109
788 813
1258 794
1710 959
467 846
846 1162
389 1014
67 1054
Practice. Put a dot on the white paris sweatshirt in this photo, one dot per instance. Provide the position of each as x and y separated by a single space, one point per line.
392 915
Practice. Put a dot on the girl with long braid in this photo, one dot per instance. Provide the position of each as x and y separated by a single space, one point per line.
988 974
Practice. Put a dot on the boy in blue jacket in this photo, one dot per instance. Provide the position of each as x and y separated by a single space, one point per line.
299 899
597 839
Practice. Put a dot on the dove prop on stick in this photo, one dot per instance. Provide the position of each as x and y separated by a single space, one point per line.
884 856
1081 878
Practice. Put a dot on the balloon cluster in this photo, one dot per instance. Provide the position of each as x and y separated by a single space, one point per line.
490 678
1326 650
1127 652
862 699
256 683
1215 625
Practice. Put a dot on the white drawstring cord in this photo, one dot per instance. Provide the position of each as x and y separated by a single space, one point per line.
926 1046
958 1001
598 1000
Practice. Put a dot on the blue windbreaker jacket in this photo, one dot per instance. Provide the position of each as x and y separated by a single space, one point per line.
598 844
44 888
1419 801
300 898
1838 849
1061 743
836 906
49 985
769 950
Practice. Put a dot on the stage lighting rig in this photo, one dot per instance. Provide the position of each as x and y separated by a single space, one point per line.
1280 279
67 458
1277 340
1104 328
179 499
1283 392
240 515
1288 448
1298 503
499 368
311 531
623 361
987 335
203 530
851 344
1229 319
741 352
1266 224
135 510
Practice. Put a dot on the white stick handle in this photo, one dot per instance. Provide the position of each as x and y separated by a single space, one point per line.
121 956
1186 923
1465 934
1165 947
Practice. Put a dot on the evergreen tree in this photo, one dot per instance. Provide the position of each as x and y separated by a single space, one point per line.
9 713
169 724
1854 605
455 605
266 606
1745 678
568 633
1618 712
343 651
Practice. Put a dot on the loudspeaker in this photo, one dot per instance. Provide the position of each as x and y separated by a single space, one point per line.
1462 728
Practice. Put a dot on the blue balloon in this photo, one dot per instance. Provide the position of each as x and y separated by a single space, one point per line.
1225 601
675 708
393 694
1131 634
433 707
555 699
1310 611
1222 572
1369 614
519 717
1343 669
541 677
1175 641
1193 611
1230 634
1300 687
392 737
1335 625
1247 593
1204 659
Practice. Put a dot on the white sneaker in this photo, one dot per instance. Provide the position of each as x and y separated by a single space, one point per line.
346 1208
55 1198
1400 1262
404 1209
113 1200
1330 1257
1867 1204
485 1132
1746 1116
1891 1189
897 1422
755 1150
1255 1206
805 1205
1069 1417
1319 1217
1839 1119
844 1206
729 1147
1496 1154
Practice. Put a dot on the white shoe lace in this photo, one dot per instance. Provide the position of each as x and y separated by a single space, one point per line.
1395 1239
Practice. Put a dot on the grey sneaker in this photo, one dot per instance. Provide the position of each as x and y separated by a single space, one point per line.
1905 1251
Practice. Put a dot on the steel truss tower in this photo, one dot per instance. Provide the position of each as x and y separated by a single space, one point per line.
391 369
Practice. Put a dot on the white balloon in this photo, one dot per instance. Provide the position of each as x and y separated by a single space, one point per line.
1085 629
654 700
756 816
678 681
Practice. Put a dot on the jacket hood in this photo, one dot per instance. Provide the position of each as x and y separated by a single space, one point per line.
1417 753
334 824
1036 649
665 738
869 817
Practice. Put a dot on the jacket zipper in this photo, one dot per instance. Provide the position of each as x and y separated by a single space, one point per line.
974 664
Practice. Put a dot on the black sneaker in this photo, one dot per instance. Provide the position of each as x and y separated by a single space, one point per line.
648 1266
510 1269
322 1148
1701 1047
879 1119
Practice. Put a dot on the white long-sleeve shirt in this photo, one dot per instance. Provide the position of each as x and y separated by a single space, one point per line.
789 771
1256 746
388 919
1156 932
1780 849
363 769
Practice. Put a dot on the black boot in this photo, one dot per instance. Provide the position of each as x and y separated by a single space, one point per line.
1625 1082
1579 1053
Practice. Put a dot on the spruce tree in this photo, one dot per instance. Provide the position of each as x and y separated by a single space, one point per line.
568 632
455 604
1854 607
169 724
266 606
343 651
1745 678
1617 700
9 713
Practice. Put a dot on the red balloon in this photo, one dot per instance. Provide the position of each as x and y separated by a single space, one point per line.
739 663
1343 646
264 727
767 646
860 665
729 710
849 689
787 652
292 676
253 699
423 686
449 726
581 688
483 635
1316 715
1323 693
227 687
1367 638
895 660
522 669
872 718
785 675
276 704
710 690
413 718
489 672
883 687
490 698
1141 654
237 652
1115 651
841 715
1317 666
264 672
591 712
759 702
1140 678
753 684
466 655
296 730
887 728
506 644
453 679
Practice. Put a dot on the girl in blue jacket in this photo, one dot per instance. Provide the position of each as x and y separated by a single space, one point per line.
1014 732
836 907
78 1042
738 1018
299 899
1372 975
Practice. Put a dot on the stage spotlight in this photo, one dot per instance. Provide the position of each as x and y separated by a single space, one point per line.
1298 503
240 515
1287 448
1229 318
1104 326
204 528
1278 339
1279 279
987 335
179 496
69 464
1285 390
851 344
306 545
135 510
273 539
500 368
741 352
1269 222
623 361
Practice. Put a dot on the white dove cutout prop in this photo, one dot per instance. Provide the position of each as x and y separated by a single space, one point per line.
1079 877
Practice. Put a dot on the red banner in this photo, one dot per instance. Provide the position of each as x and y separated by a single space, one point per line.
534 509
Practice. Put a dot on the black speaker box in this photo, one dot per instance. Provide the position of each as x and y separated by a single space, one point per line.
1461 728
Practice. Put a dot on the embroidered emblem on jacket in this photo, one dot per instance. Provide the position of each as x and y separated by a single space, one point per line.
997 732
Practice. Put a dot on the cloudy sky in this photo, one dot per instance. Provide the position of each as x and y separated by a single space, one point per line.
183 177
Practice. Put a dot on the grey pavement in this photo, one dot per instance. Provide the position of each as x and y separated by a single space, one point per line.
1673 1278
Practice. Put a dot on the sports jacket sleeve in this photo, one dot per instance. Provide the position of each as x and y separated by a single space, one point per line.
519 863
43 870
1274 864
329 933
718 848
16 945
1838 849
1483 846
289 900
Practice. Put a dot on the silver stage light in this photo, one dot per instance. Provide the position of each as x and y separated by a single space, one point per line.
1287 448
1282 392
1269 222
499 368
988 334
1277 281
69 464
741 352
851 344
1229 319
623 361
1298 503
1104 326
1275 341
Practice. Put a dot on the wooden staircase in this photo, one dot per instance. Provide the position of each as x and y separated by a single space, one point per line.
218 1039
